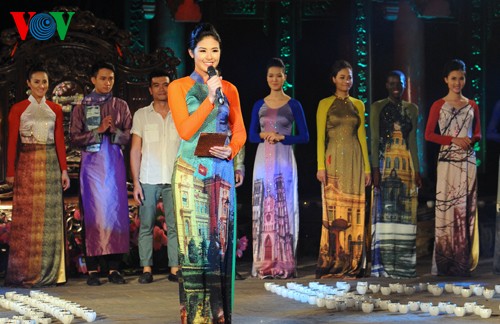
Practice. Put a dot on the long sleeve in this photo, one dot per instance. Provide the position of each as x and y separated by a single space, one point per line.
239 161
362 133
120 114
13 137
187 125
492 133
59 135
321 116
300 122
80 135
430 128
254 131
375 109
123 122
413 109
476 135
239 134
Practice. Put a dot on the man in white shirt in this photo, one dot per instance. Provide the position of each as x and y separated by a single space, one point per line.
154 147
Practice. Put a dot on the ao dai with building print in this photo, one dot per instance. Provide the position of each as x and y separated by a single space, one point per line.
394 204
204 204
343 221
275 212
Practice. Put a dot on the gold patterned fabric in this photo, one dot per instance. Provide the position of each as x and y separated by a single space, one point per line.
36 255
342 250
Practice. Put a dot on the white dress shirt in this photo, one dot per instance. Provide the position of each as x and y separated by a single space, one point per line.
160 143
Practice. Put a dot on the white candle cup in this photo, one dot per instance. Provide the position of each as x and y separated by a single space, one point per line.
425 307
67 318
488 293
469 307
393 307
478 290
477 309
375 288
466 292
330 303
485 313
367 307
450 308
414 305
434 310
343 285
459 311
457 290
349 302
312 299
267 285
442 306
403 308
437 291
361 289
376 302
384 304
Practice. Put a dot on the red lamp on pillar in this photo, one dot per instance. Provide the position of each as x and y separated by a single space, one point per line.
187 11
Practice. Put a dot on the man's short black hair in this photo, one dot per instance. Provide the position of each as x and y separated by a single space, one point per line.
160 73
101 65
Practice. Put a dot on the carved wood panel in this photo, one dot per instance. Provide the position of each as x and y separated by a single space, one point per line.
88 39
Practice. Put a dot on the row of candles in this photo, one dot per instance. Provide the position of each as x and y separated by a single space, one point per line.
33 308
340 297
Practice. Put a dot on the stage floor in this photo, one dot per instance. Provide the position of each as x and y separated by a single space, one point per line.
158 302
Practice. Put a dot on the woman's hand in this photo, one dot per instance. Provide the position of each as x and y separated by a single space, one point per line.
65 180
275 138
321 175
9 180
238 178
213 84
271 138
463 142
368 179
221 152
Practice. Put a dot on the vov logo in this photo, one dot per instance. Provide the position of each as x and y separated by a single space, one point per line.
42 26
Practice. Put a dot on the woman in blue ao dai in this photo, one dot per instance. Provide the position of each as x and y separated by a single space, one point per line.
275 211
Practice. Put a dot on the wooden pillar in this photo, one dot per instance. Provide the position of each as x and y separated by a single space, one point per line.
409 57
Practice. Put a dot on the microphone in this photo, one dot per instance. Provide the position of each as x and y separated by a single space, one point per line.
218 92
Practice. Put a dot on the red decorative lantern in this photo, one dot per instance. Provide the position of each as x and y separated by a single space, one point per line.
188 11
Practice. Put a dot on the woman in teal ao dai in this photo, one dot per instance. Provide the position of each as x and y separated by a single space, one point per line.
203 187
